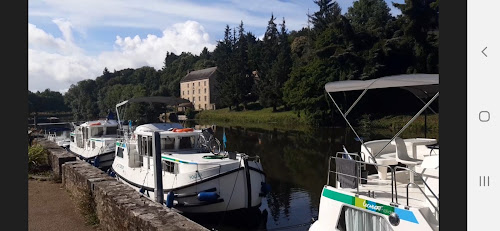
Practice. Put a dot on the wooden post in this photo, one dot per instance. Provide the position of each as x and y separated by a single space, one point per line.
157 168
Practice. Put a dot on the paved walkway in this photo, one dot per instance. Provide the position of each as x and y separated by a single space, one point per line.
51 208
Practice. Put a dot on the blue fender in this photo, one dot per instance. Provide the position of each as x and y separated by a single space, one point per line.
169 202
208 196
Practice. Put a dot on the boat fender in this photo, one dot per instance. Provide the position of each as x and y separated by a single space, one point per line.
142 190
394 219
264 189
96 161
208 196
169 202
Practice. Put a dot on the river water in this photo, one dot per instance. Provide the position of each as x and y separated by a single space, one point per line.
296 165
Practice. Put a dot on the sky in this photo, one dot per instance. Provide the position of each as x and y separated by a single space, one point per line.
70 40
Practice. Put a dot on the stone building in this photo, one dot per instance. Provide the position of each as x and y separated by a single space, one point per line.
198 87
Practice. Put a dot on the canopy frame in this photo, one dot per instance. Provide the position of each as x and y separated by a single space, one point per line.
168 100
401 81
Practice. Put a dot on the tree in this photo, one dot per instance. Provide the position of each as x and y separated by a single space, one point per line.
328 13
269 84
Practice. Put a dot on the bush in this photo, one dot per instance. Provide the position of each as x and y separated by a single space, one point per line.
190 113
37 158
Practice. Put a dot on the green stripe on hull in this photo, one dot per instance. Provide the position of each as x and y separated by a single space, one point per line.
338 197
404 214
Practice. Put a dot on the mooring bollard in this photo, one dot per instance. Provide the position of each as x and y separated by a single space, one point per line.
157 168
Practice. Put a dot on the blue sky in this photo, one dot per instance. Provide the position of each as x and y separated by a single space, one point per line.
71 40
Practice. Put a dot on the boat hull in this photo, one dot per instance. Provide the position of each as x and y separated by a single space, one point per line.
338 210
238 188
102 161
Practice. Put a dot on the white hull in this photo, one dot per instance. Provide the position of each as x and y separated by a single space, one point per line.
104 160
365 213
229 182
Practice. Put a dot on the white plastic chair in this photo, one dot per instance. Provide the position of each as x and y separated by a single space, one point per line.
402 156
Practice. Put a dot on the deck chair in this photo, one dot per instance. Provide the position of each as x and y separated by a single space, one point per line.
402 154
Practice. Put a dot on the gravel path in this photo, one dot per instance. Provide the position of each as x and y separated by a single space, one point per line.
51 208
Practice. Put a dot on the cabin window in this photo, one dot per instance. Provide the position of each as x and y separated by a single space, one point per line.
167 143
97 131
186 142
146 146
72 139
359 219
168 166
119 152
111 130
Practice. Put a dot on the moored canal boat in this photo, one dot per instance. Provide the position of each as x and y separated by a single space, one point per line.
389 197
197 177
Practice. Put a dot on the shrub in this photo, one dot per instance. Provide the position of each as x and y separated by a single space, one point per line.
190 113
37 158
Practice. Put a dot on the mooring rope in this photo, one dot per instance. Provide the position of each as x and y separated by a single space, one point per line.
230 197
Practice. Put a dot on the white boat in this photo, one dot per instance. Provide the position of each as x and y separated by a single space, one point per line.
196 176
95 141
62 139
371 191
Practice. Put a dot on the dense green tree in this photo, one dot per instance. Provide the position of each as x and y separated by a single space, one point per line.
284 68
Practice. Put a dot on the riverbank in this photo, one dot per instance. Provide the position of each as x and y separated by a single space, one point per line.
288 120
264 116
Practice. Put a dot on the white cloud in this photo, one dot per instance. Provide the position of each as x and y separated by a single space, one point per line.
56 63
158 14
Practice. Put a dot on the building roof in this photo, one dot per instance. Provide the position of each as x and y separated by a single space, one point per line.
199 74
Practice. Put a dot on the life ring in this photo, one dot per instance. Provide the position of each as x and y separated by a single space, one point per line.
182 130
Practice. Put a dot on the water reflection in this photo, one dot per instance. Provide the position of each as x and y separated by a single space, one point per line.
295 163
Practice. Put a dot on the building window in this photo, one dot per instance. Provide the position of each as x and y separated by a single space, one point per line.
193 92
205 90
198 84
205 83
188 92
199 106
183 93
199 90
193 84
193 98
205 106
205 98
199 98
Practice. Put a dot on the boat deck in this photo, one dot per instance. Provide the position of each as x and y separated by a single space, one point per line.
382 189
192 157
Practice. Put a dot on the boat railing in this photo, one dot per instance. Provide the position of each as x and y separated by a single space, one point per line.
358 176
412 183
422 191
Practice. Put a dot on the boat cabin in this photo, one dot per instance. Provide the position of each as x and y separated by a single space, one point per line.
94 129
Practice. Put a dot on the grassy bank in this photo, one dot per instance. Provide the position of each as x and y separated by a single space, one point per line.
263 116
392 124
288 120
